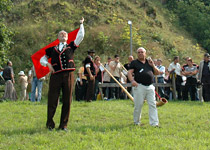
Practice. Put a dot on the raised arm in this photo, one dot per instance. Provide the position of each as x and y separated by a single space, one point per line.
80 34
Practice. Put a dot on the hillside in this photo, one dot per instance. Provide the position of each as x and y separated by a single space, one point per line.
36 24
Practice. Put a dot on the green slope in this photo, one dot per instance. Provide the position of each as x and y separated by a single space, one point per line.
37 23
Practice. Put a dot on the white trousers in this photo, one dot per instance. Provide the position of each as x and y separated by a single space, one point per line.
141 93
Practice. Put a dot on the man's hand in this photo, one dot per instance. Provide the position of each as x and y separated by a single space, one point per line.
82 20
81 83
50 67
91 77
151 62
134 83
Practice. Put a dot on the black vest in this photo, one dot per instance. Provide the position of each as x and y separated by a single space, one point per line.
88 60
62 60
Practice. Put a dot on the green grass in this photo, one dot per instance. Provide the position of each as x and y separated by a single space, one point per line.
105 125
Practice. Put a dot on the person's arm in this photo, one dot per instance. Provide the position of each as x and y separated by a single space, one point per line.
155 69
12 76
80 34
44 62
89 73
194 72
130 77
113 65
162 70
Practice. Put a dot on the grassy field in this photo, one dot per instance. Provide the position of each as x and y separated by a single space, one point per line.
105 125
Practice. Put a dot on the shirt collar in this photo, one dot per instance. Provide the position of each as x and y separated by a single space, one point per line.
64 43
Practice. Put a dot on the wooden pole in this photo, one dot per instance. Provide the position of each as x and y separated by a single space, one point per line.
174 86
122 87
124 67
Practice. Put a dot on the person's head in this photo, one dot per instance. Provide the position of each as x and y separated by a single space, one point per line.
116 58
91 52
9 63
141 52
63 36
189 61
159 62
206 57
97 60
130 58
155 61
176 59
186 58
21 73
109 59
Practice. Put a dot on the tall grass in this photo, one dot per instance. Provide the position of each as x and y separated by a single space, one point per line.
105 125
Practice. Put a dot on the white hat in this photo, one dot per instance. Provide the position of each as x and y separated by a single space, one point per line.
21 73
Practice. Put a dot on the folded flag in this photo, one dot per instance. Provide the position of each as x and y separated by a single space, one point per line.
42 71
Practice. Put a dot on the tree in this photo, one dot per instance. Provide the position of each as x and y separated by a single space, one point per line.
6 34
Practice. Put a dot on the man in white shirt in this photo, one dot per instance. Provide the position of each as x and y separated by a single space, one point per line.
175 68
116 69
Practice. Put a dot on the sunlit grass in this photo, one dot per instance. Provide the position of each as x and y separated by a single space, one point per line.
105 125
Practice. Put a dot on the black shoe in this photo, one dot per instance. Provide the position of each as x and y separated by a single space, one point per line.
157 126
50 128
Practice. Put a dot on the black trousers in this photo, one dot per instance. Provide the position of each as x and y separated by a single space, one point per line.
60 81
206 88
80 90
115 90
90 89
179 86
190 87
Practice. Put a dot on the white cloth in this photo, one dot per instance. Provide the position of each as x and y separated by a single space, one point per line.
61 45
142 92
177 68
161 69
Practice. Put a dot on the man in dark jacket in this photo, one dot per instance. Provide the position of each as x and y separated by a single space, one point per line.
62 77
90 73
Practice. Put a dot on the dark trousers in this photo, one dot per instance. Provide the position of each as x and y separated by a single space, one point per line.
206 86
179 86
161 89
115 90
190 87
80 90
90 89
58 81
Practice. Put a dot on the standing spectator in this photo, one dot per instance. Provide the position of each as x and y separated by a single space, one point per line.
160 77
82 84
62 77
144 71
8 74
36 83
90 73
168 92
106 79
23 81
99 75
186 89
116 68
127 66
204 77
175 68
191 83
30 78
